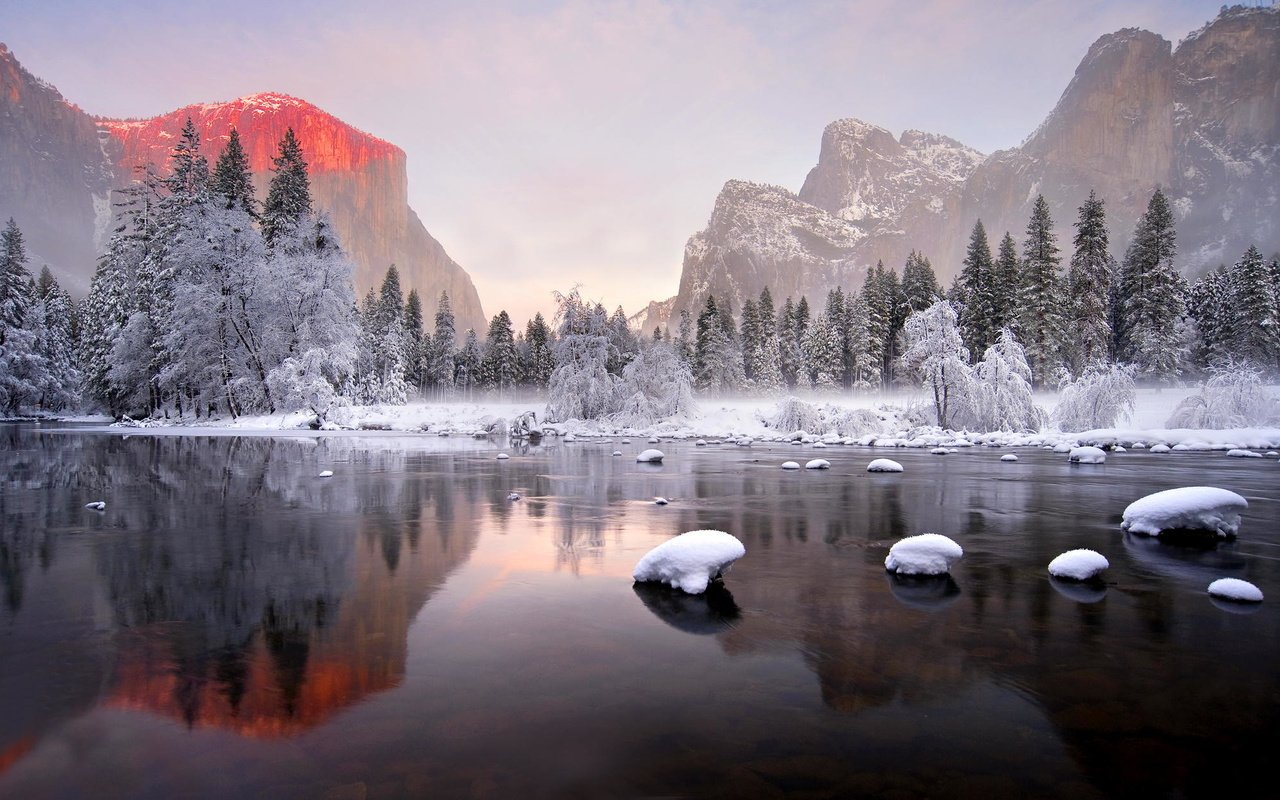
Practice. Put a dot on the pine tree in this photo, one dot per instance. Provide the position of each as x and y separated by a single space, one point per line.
468 365
978 287
1210 303
789 355
500 367
289 194
1039 316
537 336
708 331
919 283
1152 295
414 336
232 181
768 364
57 347
750 338
23 371
1008 284
442 368
864 365
623 344
14 279
685 346
1255 329
1089 286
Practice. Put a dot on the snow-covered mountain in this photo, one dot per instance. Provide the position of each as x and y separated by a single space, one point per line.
1202 121
57 166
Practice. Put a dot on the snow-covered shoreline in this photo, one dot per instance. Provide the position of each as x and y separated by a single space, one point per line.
729 420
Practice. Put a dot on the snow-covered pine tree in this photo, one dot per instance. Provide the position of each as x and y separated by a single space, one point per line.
442 368
501 367
790 357
935 352
863 365
232 182
1255 317
879 317
768 361
1089 284
1152 295
1210 305
750 338
978 288
705 342
288 200
23 371
1008 284
581 386
685 345
623 344
468 365
1002 398
537 335
919 283
414 339
61 389
1040 323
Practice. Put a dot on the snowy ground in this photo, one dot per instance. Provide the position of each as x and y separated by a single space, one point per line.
745 418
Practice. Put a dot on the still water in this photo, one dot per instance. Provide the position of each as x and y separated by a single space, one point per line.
233 626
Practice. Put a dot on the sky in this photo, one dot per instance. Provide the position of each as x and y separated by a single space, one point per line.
554 144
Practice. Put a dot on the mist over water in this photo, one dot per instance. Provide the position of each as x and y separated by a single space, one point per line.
232 625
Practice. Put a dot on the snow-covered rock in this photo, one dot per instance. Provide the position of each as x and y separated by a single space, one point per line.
1008 457
1235 590
790 465
503 456
700 443
1160 448
1119 449
569 437
818 463
691 560
1062 448
1189 508
939 451
884 465
653 440
926 554
96 505
617 452
1087 455
325 473
660 501
513 496
1238 453
650 456
1078 565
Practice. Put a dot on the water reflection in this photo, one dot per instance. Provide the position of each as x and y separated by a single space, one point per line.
924 592
1079 591
709 613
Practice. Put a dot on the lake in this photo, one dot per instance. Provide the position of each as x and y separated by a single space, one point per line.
234 626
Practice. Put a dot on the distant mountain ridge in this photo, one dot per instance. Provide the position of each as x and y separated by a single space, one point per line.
59 166
1201 121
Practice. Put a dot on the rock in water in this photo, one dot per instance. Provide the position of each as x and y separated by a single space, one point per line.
1235 590
650 457
790 465
325 473
884 465
926 554
818 463
1191 508
96 505
1087 455
691 560
1078 565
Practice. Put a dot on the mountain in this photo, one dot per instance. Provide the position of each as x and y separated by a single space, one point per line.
1201 121
57 166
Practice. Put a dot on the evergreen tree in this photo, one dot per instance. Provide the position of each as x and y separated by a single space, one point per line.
14 279
537 336
442 370
705 342
1255 321
863 365
22 369
57 346
750 338
1151 292
919 283
1008 284
414 338
500 367
623 344
1210 305
232 181
768 362
289 194
790 358
468 365
1039 316
978 293
685 346
1089 286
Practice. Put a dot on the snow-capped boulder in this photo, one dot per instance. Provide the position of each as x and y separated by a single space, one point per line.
1078 565
884 465
1243 454
1008 457
1160 448
1235 590
926 554
1087 455
790 465
503 456
569 437
691 560
653 440
650 456
818 463
1139 446
660 501
1182 448
1062 448
700 443
939 451
96 505
1200 508
513 496
617 452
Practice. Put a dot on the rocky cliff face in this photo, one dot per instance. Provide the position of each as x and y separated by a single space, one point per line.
54 176
57 166
1201 121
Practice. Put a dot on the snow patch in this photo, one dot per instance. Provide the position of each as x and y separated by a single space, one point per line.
1078 565
691 560
650 456
884 465
1201 508
1087 455
1235 590
926 554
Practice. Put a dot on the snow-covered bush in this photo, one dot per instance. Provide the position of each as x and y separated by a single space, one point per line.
937 354
1234 397
1002 399
794 414
1099 398
581 386
855 422
310 380
656 385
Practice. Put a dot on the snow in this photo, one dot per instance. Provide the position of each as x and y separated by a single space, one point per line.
1008 457
939 451
790 465
1189 508
926 554
1078 565
325 473
1160 448
1235 590
817 463
884 465
1238 453
503 456
691 560
660 501
513 496
653 440
650 456
1087 455
96 505
617 452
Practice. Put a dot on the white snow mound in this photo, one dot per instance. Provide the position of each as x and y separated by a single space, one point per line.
503 456
1243 454
1235 590
1087 455
1192 508
96 505
650 457
1160 448
326 473
818 463
790 465
926 554
1078 565
884 465
1008 457
691 560
939 451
